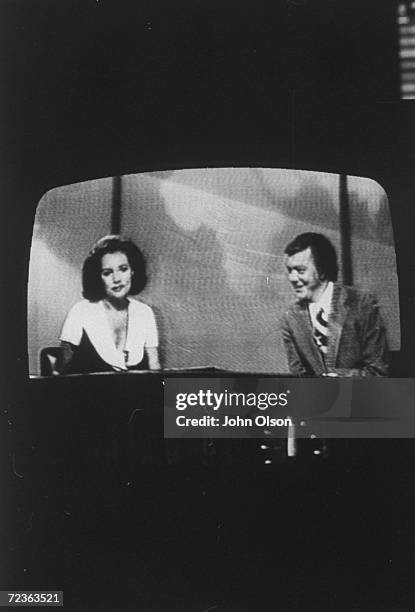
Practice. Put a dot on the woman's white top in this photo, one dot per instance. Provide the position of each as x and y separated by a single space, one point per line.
90 317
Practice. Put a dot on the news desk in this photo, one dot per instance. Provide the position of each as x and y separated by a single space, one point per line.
118 418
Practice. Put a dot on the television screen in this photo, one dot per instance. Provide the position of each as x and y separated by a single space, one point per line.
213 240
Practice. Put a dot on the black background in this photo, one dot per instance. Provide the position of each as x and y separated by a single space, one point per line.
93 89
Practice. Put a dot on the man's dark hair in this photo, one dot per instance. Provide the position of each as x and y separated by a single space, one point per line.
324 253
92 284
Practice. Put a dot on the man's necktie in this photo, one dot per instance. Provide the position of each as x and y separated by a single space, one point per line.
320 331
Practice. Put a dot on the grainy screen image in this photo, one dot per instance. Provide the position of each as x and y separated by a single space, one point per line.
213 241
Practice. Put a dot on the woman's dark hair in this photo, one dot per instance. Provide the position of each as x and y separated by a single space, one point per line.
324 253
92 284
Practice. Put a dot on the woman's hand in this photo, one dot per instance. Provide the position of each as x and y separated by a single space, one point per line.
153 358
65 357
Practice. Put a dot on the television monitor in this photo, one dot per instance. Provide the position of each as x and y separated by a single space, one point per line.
213 240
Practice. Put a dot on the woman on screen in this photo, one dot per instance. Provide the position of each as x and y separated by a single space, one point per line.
108 330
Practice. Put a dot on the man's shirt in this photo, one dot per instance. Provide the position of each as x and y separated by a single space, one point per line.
324 302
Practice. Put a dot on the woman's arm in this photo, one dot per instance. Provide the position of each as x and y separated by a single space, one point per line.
153 359
65 358
70 336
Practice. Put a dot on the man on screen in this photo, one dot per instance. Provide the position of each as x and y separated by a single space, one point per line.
331 329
